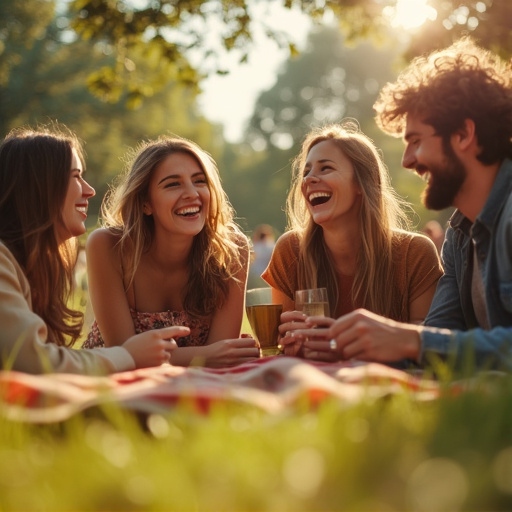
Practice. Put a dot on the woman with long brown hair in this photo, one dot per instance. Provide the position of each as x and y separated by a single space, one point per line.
170 253
347 233
43 207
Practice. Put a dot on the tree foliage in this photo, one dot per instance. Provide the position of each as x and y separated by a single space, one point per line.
22 23
328 81
168 30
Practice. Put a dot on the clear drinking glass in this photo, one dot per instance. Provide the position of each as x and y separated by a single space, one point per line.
264 318
312 302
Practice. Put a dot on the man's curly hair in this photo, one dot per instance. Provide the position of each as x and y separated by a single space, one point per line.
449 86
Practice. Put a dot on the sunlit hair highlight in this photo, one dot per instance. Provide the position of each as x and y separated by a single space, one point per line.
382 212
449 86
35 170
215 256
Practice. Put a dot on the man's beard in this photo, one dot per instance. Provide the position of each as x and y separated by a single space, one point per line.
446 179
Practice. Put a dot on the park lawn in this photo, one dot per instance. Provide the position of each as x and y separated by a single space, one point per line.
393 454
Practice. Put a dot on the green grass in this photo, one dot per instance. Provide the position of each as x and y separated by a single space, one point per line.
454 453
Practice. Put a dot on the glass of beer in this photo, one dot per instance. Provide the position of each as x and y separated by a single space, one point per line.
264 318
313 302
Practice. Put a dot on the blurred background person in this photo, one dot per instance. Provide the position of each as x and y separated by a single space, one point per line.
263 242
435 232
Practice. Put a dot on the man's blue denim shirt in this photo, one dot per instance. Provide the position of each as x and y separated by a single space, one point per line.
451 321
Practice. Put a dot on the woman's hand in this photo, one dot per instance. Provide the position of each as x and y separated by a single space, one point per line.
153 348
290 322
313 336
228 352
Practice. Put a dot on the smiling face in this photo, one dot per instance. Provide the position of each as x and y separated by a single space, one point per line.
179 196
443 172
328 186
74 210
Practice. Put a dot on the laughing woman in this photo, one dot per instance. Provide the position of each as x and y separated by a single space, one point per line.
346 234
170 253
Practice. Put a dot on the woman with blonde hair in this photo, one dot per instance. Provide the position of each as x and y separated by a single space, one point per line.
170 253
347 233
43 207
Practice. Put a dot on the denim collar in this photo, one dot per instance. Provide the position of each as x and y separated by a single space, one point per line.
500 192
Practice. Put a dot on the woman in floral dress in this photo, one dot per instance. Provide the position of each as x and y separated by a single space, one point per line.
170 253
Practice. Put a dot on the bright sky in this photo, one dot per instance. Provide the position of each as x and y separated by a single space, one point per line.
229 99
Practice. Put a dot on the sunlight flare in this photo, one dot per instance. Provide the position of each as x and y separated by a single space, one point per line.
410 14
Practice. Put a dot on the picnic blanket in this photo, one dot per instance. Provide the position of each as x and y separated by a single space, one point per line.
271 384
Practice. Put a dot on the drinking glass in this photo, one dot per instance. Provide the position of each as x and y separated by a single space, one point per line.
312 302
264 318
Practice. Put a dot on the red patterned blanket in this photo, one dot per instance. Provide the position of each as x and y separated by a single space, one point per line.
273 384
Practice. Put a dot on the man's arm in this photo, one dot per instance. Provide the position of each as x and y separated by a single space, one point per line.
484 349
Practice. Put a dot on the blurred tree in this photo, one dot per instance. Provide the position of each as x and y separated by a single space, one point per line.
256 183
326 82
167 30
23 24
47 80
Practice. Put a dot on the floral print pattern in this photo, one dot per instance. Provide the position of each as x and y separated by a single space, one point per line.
199 327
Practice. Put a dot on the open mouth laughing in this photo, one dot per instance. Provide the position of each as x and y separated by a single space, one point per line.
423 173
316 198
188 211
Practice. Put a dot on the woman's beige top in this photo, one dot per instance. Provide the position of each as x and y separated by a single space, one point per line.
23 334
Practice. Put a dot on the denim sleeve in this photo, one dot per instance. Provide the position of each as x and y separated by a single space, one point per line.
489 349
446 309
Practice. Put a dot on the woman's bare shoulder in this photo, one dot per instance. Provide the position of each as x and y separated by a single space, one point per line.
102 239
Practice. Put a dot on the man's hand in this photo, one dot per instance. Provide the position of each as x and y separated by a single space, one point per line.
364 336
